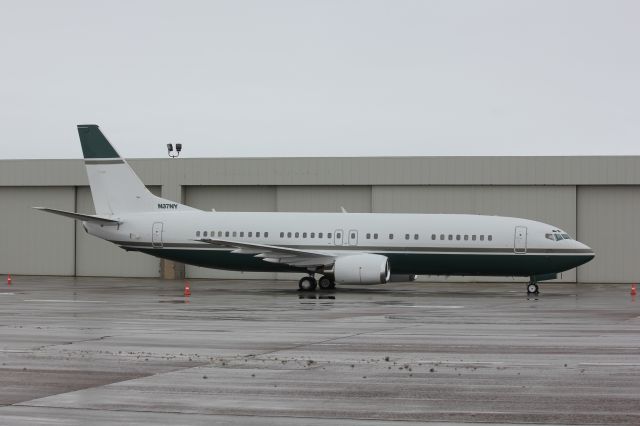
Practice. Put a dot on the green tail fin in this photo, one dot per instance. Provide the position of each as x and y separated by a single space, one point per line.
94 144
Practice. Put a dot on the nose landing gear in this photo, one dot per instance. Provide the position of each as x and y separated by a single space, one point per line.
532 287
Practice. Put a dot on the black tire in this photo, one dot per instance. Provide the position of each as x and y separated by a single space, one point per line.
532 288
325 283
307 284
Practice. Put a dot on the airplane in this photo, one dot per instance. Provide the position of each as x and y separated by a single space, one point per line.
344 248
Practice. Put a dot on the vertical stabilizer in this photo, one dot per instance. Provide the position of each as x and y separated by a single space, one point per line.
115 188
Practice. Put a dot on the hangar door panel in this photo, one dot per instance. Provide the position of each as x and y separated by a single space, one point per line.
96 257
554 205
230 198
608 222
34 242
355 199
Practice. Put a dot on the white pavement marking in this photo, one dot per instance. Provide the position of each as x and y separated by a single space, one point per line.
7 294
430 306
611 364
64 301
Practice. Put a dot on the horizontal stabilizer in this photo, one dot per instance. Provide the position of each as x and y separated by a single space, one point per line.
83 217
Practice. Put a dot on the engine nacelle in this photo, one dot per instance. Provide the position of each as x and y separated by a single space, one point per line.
362 269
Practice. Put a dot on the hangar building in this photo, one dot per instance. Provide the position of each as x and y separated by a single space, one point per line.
596 199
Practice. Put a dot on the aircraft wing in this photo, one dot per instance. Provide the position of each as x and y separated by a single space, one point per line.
277 254
79 216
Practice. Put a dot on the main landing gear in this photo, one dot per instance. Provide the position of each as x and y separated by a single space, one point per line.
532 287
309 283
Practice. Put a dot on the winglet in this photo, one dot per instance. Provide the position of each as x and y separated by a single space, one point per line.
343 210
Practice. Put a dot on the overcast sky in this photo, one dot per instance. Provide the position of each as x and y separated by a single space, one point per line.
321 78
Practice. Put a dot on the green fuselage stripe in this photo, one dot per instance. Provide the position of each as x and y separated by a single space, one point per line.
498 264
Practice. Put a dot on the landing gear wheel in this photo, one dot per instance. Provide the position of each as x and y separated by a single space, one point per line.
325 283
307 284
532 288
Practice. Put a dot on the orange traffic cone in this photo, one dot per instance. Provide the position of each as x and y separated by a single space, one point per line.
9 280
187 289
633 289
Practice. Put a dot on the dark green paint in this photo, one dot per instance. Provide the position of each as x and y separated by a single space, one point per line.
401 263
94 144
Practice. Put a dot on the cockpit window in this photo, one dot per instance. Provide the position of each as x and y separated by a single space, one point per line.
557 236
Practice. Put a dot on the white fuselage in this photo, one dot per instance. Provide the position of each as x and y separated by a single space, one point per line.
415 243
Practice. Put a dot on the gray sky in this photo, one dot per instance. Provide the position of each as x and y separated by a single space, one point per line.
321 78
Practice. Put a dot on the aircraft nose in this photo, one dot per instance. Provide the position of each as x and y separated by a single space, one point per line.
585 248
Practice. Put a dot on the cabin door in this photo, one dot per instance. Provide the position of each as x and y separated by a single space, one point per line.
520 240
353 237
156 235
337 237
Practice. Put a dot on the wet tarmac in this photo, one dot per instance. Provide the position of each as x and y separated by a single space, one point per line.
104 351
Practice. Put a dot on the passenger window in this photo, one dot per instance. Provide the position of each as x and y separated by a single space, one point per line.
353 236
250 234
204 234
466 237
473 238
442 236
329 235
219 233
319 234
338 235
226 233
481 237
213 233
241 234
282 235
433 236
375 236
368 236
490 237
391 236
197 233
313 235
450 237
458 237
406 236
304 235
297 235
415 237
266 234
288 234
234 233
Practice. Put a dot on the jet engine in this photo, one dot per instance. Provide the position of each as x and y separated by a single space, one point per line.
362 269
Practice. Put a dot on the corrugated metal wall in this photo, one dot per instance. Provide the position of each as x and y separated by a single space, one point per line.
595 198
34 242
355 199
609 222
